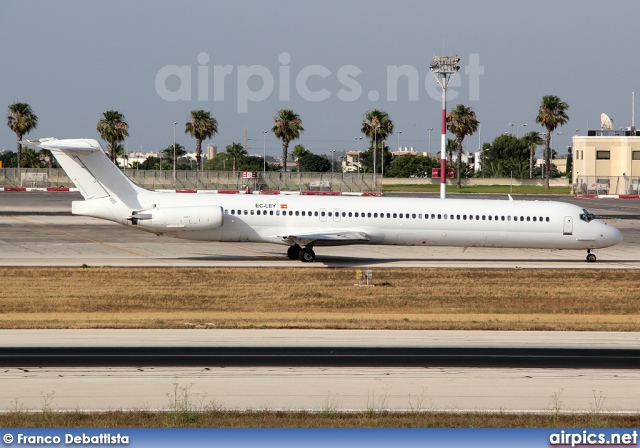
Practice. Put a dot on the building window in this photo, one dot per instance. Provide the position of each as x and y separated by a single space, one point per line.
603 155
635 155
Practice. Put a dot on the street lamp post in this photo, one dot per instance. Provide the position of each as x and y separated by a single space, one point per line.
332 151
518 126
444 68
398 132
429 129
358 140
264 154
174 153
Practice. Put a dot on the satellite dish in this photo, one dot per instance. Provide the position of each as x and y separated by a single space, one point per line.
605 122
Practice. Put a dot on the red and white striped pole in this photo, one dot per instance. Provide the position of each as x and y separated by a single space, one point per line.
444 68
443 147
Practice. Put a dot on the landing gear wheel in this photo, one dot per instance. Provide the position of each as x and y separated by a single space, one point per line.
591 258
294 252
307 255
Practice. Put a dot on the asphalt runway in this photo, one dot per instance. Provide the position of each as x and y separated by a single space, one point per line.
37 229
293 387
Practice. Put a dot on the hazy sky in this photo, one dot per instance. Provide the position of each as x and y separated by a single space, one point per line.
329 61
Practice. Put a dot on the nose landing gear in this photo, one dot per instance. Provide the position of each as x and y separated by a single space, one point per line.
591 256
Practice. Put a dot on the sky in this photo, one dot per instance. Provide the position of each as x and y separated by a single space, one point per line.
329 61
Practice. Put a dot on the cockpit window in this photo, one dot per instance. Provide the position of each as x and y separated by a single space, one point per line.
587 216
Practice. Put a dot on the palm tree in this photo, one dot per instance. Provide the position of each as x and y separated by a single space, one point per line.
552 113
288 126
461 122
298 153
21 120
112 128
200 125
450 147
169 153
533 140
236 150
377 126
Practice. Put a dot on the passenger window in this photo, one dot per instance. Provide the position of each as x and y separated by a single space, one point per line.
368 215
246 212
271 212
534 219
439 217
357 215
528 218
316 214
433 216
547 219
464 217
375 215
329 214
303 213
490 217
344 214
483 217
400 215
297 213
419 216
251 212
257 212
522 218
350 214
394 215
322 213
277 212
388 215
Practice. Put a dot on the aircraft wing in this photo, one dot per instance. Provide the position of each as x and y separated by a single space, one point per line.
328 238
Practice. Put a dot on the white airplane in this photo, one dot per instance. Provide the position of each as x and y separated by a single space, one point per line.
305 222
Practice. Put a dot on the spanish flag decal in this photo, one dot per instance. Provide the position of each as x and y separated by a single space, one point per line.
283 206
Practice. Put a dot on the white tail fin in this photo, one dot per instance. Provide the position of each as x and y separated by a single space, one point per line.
90 169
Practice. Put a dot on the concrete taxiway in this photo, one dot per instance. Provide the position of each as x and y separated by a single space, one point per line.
320 388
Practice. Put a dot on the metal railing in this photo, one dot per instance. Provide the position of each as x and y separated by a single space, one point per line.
607 185
204 180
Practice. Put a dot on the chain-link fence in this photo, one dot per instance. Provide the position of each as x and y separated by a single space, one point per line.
205 180
607 185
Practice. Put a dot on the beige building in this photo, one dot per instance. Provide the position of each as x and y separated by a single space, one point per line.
606 162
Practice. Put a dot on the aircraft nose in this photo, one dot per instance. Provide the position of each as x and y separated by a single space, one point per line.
612 235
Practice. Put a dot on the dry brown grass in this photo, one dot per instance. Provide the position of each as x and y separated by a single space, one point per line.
605 300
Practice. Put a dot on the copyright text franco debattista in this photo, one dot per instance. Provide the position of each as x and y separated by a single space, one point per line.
67 439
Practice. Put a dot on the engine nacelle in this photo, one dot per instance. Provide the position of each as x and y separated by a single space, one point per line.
178 219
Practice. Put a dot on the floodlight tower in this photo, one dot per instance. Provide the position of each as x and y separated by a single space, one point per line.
444 68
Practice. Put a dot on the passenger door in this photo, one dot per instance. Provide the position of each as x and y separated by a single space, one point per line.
568 226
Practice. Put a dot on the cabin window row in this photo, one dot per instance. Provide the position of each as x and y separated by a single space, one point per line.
392 215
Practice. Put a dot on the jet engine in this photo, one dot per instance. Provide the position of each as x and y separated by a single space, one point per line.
178 219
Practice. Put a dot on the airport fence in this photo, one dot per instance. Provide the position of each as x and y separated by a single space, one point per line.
607 185
206 180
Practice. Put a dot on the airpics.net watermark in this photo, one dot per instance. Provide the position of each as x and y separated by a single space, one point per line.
255 83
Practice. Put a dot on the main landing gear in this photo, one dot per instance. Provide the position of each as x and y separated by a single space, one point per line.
296 252
591 257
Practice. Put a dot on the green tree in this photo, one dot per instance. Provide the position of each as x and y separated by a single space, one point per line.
9 159
533 140
461 121
298 154
168 153
236 151
21 120
552 113
377 126
287 127
314 163
31 158
410 165
112 128
451 147
200 125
